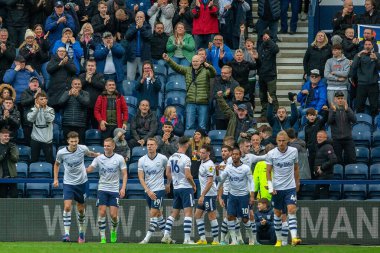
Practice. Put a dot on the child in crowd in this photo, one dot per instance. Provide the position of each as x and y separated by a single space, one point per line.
264 223
121 145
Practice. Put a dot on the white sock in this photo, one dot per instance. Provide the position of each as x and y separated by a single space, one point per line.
293 225
215 230
201 228
115 224
81 219
168 226
187 225
277 227
102 227
232 230
223 230
67 222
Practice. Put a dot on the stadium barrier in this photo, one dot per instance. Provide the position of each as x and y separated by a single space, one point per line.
319 222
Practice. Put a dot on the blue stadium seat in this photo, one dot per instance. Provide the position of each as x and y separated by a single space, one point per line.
95 148
160 70
57 193
131 113
93 137
129 88
217 136
57 135
362 138
374 172
133 170
131 101
37 190
175 86
135 191
175 77
375 155
376 138
189 132
307 192
355 191
128 132
364 118
361 127
21 190
362 155
301 135
335 191
40 170
42 157
218 153
22 169
93 190
20 135
374 191
356 171
138 152
24 153
175 99
338 171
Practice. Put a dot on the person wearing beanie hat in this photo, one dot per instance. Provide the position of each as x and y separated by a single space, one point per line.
31 51
121 145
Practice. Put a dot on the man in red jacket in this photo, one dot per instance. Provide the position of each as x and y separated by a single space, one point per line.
111 110
205 22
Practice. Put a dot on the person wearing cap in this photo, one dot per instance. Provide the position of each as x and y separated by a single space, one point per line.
7 52
58 21
109 60
9 156
74 51
103 21
167 142
121 144
341 119
336 73
31 51
18 76
313 93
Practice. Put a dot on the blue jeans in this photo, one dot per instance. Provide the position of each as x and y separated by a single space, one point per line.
202 40
180 61
194 111
284 14
262 25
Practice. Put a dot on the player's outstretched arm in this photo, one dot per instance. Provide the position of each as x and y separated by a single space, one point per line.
89 169
56 170
124 185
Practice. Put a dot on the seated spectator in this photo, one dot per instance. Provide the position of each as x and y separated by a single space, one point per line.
227 85
336 73
7 52
170 114
181 46
109 60
123 19
313 93
8 159
368 34
9 116
197 78
264 223
256 147
74 103
238 119
121 144
162 11
183 14
350 44
371 16
138 36
341 118
148 86
110 110
158 43
138 5
42 117
325 159
167 141
18 76
61 70
87 42
102 22
240 98
30 50
27 102
217 52
73 48
344 19
143 126
6 91
303 153
281 121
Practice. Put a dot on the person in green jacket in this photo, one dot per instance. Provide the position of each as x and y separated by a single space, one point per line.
197 78
8 159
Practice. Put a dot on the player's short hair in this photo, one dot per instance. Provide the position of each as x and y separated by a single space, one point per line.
311 111
72 134
267 130
102 3
229 148
152 139
284 134
291 133
242 141
239 89
109 140
183 141
236 148
206 147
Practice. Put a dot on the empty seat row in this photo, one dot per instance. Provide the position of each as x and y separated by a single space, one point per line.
343 192
357 172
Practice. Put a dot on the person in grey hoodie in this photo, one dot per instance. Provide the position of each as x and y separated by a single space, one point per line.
42 117
300 145
337 69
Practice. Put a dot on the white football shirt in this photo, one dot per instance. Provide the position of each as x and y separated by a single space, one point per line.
73 163
226 184
207 170
249 159
241 182
154 170
178 163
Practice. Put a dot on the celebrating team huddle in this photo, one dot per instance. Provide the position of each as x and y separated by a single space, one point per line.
230 182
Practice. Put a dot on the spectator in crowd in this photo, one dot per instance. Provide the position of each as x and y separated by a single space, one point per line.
170 114
6 90
73 48
368 34
27 102
365 68
203 54
197 78
7 52
42 117
266 133
18 76
269 12
8 160
44 46
317 54
336 73
183 14
158 44
41 11
114 5
229 141
238 119
281 121
58 21
227 84
121 144
205 21
92 82
284 16
148 86
87 41
61 70
350 44
31 51
143 126
138 5
138 36
264 223
313 93
303 13
74 103
181 46
110 110
123 19
256 147
162 11
344 19
167 142
218 51
268 71
102 22
325 159
371 16
240 98
87 12
303 153
341 118
109 60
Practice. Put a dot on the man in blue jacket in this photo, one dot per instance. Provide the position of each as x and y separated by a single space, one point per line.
218 50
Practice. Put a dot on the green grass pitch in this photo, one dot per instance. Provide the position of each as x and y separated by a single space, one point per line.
58 247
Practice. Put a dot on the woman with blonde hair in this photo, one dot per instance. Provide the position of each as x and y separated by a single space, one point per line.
86 40
31 51
170 114
317 54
